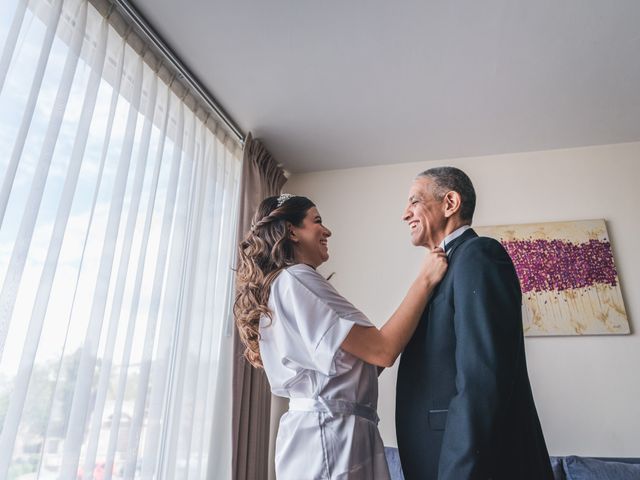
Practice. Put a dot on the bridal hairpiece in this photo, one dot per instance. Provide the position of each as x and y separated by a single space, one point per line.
283 198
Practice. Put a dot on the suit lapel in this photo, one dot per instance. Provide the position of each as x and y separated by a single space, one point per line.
451 248
454 244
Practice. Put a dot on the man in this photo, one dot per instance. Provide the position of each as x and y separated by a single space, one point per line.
464 408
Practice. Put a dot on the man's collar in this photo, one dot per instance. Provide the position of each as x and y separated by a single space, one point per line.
446 243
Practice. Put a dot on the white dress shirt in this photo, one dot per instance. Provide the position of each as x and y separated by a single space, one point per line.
453 235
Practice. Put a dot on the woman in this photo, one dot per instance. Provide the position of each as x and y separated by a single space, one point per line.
316 348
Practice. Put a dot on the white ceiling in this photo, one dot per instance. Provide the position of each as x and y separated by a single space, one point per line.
336 84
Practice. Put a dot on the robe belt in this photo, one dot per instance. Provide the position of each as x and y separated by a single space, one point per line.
333 407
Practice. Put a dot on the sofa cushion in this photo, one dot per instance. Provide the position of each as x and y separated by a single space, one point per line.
558 468
393 460
580 468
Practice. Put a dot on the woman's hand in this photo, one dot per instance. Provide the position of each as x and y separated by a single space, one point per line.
382 347
433 267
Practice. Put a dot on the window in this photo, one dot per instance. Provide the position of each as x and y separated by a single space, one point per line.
118 217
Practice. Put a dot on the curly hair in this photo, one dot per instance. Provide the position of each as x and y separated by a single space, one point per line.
263 253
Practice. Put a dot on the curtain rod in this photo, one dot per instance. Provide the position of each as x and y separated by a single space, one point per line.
139 21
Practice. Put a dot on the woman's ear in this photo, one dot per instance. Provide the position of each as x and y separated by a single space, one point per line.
452 203
291 229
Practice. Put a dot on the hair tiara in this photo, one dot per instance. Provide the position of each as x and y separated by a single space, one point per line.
283 198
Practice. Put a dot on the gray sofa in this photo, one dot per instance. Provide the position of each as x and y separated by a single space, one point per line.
564 468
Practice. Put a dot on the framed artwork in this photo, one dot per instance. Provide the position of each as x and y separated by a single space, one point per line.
569 281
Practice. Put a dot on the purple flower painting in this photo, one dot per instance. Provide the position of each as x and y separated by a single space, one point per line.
569 281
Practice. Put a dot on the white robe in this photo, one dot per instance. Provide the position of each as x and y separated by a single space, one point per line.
319 437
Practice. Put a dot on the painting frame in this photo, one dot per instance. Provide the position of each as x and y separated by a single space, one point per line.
568 278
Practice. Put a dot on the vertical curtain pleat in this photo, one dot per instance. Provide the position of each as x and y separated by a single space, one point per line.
118 219
116 306
213 390
27 118
201 367
11 41
220 451
82 392
198 348
14 411
14 272
188 367
99 178
157 387
182 326
261 177
126 355
171 325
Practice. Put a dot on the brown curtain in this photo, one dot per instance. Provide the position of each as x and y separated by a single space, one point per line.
261 177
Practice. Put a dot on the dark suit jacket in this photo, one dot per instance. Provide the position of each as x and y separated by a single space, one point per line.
464 408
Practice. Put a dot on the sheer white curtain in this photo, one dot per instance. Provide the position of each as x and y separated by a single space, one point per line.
118 210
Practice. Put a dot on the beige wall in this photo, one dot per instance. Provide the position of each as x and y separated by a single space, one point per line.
587 389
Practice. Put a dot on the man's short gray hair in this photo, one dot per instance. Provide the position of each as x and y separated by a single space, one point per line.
446 179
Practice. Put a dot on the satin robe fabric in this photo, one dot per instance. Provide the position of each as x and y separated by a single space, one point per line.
300 349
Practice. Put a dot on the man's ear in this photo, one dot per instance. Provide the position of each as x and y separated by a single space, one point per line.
452 203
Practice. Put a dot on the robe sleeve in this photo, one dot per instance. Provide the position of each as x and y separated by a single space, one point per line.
311 320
